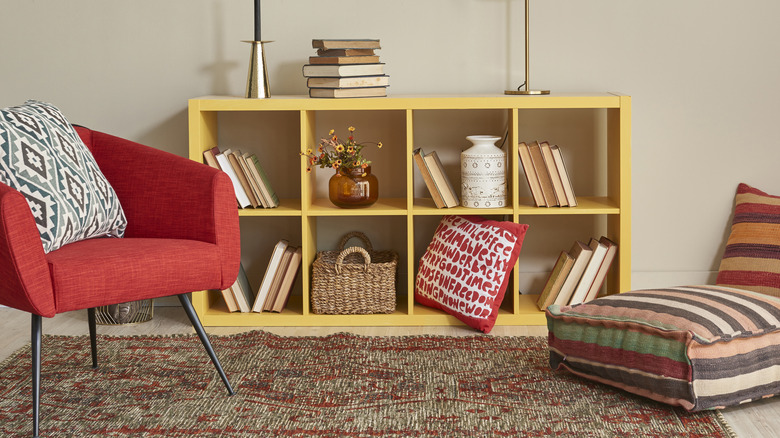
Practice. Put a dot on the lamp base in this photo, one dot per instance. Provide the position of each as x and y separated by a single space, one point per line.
527 92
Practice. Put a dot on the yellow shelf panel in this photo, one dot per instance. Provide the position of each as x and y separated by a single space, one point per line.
287 207
415 102
426 207
382 207
585 205
217 315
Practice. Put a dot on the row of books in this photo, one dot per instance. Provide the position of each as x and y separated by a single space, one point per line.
346 68
250 181
275 288
578 274
432 171
546 174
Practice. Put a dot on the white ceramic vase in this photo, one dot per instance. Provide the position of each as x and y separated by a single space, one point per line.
483 173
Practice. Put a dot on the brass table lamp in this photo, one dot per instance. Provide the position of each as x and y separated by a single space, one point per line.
526 88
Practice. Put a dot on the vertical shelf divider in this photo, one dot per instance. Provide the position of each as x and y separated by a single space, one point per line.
410 211
514 178
619 190
308 223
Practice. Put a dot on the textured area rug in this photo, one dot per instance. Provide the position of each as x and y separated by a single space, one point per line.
335 386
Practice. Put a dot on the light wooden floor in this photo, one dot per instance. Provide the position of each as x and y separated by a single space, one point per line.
759 419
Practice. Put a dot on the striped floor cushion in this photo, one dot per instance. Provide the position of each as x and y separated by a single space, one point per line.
699 347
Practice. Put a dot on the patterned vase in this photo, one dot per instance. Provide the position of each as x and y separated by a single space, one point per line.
348 188
483 173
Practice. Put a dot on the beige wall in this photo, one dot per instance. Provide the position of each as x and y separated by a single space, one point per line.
703 75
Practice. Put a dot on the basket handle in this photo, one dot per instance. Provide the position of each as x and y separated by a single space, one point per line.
348 251
357 234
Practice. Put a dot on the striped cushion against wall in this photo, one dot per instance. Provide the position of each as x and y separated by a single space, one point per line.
752 256
699 347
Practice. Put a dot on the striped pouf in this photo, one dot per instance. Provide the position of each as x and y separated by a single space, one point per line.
699 347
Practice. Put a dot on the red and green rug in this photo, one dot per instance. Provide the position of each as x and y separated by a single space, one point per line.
335 386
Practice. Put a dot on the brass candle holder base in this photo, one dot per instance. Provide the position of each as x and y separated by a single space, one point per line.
257 79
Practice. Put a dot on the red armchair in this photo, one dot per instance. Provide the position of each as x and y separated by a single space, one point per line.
182 236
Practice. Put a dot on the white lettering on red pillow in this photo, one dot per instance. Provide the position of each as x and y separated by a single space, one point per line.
465 269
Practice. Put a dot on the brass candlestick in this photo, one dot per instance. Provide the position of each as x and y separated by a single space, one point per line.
526 87
257 79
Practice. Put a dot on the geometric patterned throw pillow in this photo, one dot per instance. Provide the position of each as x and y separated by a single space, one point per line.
43 157
751 260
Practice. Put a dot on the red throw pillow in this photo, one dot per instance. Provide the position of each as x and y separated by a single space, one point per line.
465 270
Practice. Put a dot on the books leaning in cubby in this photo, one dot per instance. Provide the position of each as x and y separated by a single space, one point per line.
546 174
277 282
250 182
432 171
240 295
243 292
579 273
346 68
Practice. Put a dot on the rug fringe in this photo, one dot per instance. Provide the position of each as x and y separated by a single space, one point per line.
725 424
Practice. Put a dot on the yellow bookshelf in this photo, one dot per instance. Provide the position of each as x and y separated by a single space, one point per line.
303 205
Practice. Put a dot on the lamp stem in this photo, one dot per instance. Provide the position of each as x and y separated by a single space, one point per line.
527 46
527 88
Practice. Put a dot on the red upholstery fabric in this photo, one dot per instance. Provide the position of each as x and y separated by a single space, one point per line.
182 236
24 278
167 196
104 271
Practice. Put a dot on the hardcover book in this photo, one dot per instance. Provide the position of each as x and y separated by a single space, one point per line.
336 70
555 281
417 154
581 254
348 92
373 59
348 82
329 44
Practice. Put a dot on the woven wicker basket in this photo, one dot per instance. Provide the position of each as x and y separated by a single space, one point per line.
354 280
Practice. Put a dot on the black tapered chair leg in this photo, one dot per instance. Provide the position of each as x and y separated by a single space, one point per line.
93 336
185 302
37 327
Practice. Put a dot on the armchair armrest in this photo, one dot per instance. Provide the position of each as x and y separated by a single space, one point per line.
26 282
167 196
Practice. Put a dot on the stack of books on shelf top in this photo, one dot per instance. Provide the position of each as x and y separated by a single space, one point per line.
346 68
432 171
578 275
275 287
250 182
546 174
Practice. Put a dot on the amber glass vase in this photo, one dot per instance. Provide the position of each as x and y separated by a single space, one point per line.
349 188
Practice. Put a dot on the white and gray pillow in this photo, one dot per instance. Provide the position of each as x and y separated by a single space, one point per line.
42 156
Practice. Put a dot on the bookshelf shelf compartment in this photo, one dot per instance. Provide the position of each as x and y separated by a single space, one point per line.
404 216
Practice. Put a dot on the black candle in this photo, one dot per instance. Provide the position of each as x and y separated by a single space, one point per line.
257 20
